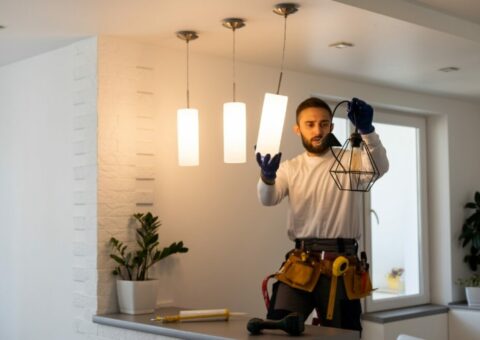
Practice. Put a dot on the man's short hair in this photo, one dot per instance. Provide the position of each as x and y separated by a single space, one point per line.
313 102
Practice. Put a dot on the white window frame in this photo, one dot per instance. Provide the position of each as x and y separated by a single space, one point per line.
404 119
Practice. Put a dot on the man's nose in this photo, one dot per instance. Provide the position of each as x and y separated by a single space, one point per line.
317 129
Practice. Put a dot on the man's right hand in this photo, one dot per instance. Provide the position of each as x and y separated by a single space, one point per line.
269 166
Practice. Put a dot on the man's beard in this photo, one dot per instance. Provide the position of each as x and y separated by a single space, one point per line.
326 142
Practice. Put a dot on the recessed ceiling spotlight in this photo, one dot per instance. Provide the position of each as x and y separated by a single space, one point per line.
341 44
449 69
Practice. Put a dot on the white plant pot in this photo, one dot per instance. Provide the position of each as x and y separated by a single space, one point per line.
137 297
473 296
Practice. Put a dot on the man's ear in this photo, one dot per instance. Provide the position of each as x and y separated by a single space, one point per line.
296 129
331 127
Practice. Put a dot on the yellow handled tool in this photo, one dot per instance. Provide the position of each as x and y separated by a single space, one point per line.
339 268
197 315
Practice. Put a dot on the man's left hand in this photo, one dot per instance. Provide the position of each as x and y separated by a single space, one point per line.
361 115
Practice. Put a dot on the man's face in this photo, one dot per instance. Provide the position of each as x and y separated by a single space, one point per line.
313 124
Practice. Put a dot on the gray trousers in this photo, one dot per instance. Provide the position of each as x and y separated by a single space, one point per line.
346 313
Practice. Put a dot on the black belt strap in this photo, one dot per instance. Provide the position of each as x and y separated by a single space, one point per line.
340 245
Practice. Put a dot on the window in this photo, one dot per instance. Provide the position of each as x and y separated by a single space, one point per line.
395 217
395 223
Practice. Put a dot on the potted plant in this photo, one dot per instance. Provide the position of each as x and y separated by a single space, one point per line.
394 281
136 291
470 237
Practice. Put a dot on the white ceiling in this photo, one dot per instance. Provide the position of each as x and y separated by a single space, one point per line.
398 43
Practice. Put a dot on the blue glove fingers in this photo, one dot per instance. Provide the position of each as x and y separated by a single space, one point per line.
361 115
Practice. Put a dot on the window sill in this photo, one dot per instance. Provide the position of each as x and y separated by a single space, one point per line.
463 305
404 313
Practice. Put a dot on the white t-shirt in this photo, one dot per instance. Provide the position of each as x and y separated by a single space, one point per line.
317 208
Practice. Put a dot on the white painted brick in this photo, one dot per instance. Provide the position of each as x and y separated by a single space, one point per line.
79 223
84 172
145 184
85 210
85 159
84 121
83 249
145 104
80 300
145 160
144 197
84 197
112 222
145 172
83 326
144 123
88 133
144 148
117 158
85 262
82 274
145 135
117 184
112 209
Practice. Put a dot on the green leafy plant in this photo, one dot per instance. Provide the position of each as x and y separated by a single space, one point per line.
472 281
470 235
134 265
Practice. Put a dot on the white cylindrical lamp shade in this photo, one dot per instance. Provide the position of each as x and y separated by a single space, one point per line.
188 137
271 124
234 132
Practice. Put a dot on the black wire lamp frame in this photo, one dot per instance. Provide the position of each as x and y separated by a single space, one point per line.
346 177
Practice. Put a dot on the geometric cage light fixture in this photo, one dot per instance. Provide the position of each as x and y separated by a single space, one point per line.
354 168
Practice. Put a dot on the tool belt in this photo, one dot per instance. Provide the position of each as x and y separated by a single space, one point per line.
303 267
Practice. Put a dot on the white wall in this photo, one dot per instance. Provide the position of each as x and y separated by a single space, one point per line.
37 246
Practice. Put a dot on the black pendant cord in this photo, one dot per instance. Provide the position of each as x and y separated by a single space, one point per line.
233 64
188 85
333 115
283 53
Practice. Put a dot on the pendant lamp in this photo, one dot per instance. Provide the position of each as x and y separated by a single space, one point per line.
354 168
187 119
234 113
275 105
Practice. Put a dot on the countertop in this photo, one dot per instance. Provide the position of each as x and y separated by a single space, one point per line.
235 328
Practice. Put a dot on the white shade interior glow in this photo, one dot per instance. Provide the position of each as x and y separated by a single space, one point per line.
271 124
234 132
188 139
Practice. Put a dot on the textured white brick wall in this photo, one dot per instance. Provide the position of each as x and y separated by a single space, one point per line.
126 161
84 148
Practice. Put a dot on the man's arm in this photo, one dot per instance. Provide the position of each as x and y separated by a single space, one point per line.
272 187
378 152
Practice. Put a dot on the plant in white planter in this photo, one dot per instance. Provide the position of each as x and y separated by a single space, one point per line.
470 236
136 291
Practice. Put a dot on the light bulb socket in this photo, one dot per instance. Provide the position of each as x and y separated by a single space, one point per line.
187 35
285 9
233 23
355 139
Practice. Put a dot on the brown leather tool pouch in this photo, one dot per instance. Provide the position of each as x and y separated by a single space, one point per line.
357 283
300 270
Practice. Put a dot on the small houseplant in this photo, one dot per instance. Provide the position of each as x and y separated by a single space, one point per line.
470 237
394 279
136 291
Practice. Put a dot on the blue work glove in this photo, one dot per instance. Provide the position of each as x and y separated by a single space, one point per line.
361 115
269 166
